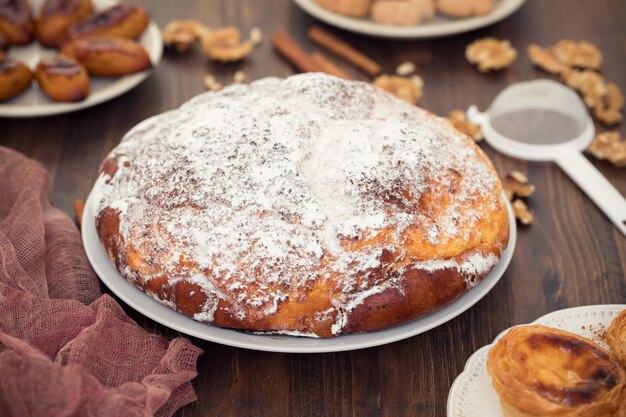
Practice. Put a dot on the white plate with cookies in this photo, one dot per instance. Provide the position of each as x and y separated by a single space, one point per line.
33 102
472 394
438 26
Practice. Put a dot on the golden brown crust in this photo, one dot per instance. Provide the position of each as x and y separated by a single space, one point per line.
616 337
107 56
62 79
16 21
122 21
15 77
394 271
56 16
541 371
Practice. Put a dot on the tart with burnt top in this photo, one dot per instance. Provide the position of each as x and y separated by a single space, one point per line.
308 206
542 371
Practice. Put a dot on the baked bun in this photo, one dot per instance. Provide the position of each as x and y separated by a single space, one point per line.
309 206
541 371
16 21
616 337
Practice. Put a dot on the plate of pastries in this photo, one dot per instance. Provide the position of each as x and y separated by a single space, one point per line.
306 214
58 56
569 362
410 19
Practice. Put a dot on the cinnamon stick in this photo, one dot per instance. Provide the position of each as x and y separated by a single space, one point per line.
338 47
79 207
291 51
325 65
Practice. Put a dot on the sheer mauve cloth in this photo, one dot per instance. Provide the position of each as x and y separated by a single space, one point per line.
65 349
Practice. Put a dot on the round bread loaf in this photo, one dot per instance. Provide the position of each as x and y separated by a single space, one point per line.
308 206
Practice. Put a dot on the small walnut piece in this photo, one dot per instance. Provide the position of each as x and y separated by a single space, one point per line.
520 209
490 54
516 184
405 69
545 59
181 34
256 36
581 54
458 118
211 83
410 90
609 146
225 45
240 77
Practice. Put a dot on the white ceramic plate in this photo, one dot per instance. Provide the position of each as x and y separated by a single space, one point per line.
472 394
34 103
438 27
171 318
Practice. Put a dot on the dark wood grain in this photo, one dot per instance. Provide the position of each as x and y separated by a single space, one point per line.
571 256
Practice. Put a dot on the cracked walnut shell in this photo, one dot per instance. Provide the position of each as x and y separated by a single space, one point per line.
225 45
490 54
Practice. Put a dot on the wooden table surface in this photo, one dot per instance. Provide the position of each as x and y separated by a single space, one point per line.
570 256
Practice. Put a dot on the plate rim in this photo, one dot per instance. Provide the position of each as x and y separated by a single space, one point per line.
427 31
144 303
481 353
117 87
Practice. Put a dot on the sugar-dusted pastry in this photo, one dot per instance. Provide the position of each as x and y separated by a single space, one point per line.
56 16
62 79
108 57
540 371
354 8
464 8
16 21
402 12
122 21
15 77
309 206
616 337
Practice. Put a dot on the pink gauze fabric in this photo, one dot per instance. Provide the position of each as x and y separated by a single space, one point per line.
65 349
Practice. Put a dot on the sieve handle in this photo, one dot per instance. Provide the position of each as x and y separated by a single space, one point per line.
596 186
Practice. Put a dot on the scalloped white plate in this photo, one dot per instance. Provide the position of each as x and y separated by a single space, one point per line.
472 394
438 27
158 312
33 103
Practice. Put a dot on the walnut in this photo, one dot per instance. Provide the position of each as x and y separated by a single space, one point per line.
211 83
609 146
606 99
490 54
240 77
405 69
581 54
181 34
516 184
256 36
545 59
520 209
458 118
225 45
410 90
614 97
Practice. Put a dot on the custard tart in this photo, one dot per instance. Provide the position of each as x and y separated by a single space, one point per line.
541 371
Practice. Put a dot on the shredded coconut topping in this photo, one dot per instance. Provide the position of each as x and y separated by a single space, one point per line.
257 191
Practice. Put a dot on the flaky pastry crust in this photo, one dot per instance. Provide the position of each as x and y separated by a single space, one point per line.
542 371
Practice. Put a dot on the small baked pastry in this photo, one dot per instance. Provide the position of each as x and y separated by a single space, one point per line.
310 206
464 8
402 12
56 16
354 8
121 21
616 337
541 371
15 77
16 21
108 57
62 79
